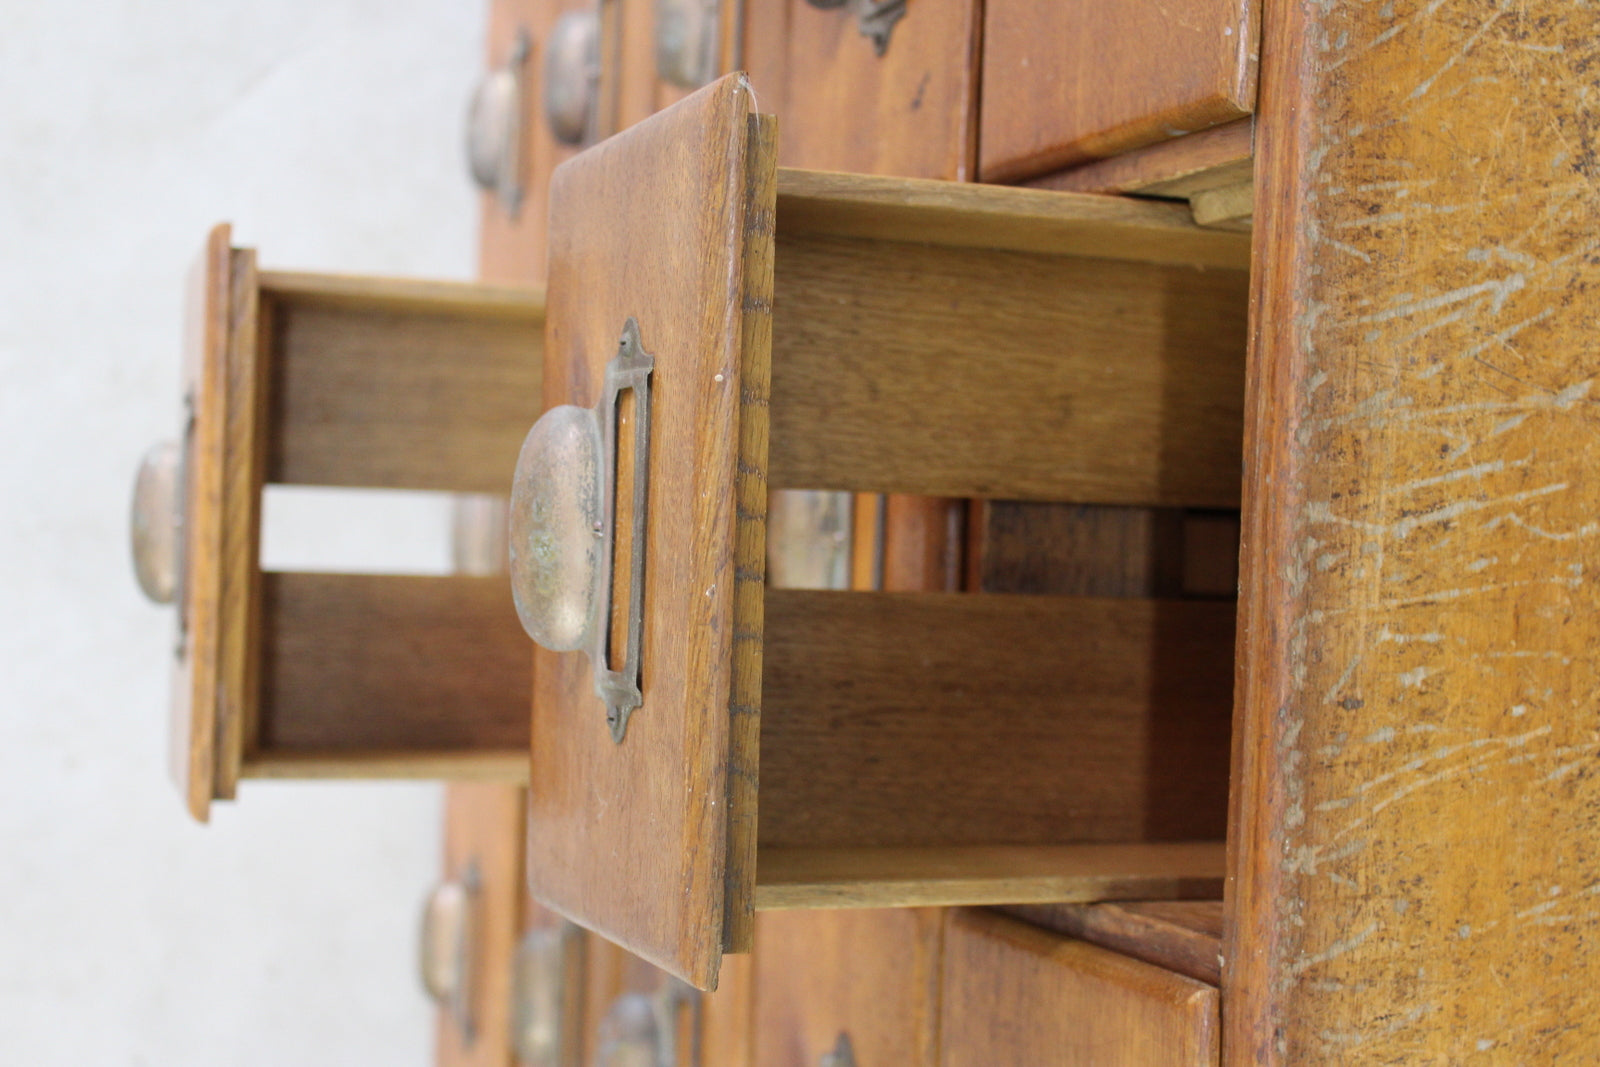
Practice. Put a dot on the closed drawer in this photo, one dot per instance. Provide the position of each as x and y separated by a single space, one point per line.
1014 994
841 105
867 980
1069 81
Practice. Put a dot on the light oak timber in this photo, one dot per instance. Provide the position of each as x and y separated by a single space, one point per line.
380 389
391 663
1180 935
910 112
214 668
1413 869
1002 218
346 381
1221 155
870 974
1067 82
999 874
1089 719
1080 379
695 282
502 766
664 828
1014 994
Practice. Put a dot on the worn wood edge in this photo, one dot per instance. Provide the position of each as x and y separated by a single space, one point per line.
1122 927
750 536
515 303
1008 218
1132 135
509 766
939 877
244 465
1224 205
1171 168
192 744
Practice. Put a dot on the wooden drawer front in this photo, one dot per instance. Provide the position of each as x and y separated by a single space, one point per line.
1014 994
872 975
1068 81
909 112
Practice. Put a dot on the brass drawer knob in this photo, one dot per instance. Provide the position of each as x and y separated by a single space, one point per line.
686 41
448 947
563 528
157 522
572 77
494 122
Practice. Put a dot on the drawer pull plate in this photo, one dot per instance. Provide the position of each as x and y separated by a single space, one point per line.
686 41
563 529
449 947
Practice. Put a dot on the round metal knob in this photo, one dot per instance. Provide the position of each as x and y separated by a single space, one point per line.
686 41
492 126
445 922
557 530
157 521
572 76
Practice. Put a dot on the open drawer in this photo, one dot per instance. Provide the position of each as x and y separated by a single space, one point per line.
718 328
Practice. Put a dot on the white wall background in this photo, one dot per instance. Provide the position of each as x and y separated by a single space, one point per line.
329 132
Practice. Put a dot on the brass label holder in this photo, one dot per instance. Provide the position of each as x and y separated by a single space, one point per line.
563 529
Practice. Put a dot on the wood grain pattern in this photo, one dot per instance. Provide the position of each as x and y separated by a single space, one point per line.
1017 995
909 112
643 226
1221 155
357 664
213 678
953 214
506 766
1073 80
945 371
1180 935
1071 550
1413 871
873 975
750 536
484 830
395 393
963 719
1011 874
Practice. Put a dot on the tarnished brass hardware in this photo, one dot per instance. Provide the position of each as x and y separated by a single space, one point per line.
157 522
563 529
449 947
547 977
686 41
494 125
876 18
648 1031
572 77
842 1054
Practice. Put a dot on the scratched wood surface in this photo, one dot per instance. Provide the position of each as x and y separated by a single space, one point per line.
631 838
1067 81
1414 877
